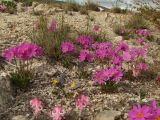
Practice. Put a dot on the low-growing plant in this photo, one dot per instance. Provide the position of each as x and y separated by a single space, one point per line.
150 11
22 55
21 79
136 21
92 5
71 5
11 6
25 2
95 32
117 9
113 56
122 31
83 10
50 36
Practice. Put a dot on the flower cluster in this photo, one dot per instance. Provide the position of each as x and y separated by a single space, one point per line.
67 47
24 51
85 41
108 74
58 112
145 112
82 102
115 55
36 104
140 40
143 32
86 55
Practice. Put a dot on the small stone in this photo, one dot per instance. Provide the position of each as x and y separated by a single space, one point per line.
108 115
19 117
19 7
34 4
118 38
50 11
5 94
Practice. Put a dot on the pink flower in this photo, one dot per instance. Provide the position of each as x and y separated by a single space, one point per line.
9 54
133 53
142 66
146 46
24 51
52 27
142 52
140 40
100 76
139 113
3 8
102 45
82 102
117 60
97 29
36 104
85 55
112 74
143 32
127 56
100 53
158 77
155 111
67 47
156 115
122 46
57 113
85 41
153 105
116 74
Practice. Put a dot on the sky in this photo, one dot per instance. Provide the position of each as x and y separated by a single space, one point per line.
106 3
111 3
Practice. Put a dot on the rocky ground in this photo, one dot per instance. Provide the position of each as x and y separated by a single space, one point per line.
15 28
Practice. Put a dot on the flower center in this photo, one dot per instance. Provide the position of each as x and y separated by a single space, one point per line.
157 118
140 115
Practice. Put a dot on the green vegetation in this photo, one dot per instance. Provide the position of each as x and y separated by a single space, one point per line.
136 21
50 41
11 6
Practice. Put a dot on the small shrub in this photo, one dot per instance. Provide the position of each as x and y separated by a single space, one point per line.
150 13
90 5
109 87
122 31
50 38
84 11
11 6
22 55
136 22
25 2
119 29
21 80
71 5
118 10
